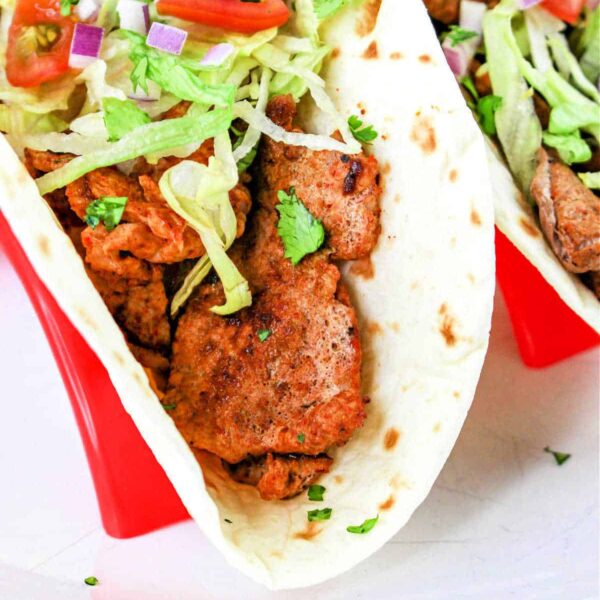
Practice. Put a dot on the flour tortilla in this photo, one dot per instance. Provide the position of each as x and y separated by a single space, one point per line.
518 222
425 313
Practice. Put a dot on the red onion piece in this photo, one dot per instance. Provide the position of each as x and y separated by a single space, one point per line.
217 55
134 16
167 38
85 47
525 4
456 59
87 10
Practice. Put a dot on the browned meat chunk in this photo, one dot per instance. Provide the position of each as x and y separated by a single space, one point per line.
296 392
279 477
140 308
43 162
343 191
156 366
569 214
446 11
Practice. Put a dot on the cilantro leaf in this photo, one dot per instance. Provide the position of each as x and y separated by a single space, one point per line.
364 527
458 35
571 147
300 232
468 83
66 6
559 457
174 74
320 514
121 117
364 134
91 581
486 109
107 209
263 334
169 406
315 492
301 437
326 8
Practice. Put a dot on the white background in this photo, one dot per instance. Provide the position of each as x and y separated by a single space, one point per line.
503 520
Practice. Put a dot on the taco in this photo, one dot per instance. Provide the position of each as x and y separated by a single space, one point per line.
279 243
531 74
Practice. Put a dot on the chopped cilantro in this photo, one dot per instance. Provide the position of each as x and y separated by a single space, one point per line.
300 232
486 109
326 8
169 406
320 514
559 457
121 117
66 6
315 492
365 527
91 581
107 209
301 437
365 134
263 334
458 35
468 83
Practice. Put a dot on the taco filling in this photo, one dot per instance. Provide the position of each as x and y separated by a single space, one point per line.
531 72
210 223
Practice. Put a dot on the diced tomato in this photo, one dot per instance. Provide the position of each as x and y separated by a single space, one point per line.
234 15
39 42
566 10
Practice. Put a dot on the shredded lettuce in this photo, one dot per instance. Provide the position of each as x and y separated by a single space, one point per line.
518 127
571 147
590 180
589 46
200 195
150 138
14 120
121 117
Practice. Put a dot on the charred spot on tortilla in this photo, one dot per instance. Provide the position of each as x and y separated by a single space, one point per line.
392 435
447 326
394 326
367 18
396 55
44 245
311 531
528 227
425 58
374 328
363 267
423 133
475 218
335 53
371 52
453 175
387 504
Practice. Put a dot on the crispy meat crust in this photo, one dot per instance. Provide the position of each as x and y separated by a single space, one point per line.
237 396
341 190
279 477
569 214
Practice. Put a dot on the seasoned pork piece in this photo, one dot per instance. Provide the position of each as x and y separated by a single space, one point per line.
280 476
569 214
298 391
446 11
342 191
140 308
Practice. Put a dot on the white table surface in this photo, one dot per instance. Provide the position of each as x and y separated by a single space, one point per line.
503 520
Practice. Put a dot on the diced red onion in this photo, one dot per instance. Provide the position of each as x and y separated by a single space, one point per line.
134 16
456 59
87 10
85 47
525 4
217 55
167 38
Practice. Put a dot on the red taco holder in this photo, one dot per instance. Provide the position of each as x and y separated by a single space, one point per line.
134 494
546 329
